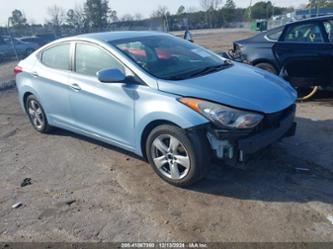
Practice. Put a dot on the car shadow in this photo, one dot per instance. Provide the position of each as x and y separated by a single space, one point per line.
281 174
65 133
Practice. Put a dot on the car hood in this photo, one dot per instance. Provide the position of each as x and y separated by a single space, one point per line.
240 86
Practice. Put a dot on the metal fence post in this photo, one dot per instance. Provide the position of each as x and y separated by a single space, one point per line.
12 40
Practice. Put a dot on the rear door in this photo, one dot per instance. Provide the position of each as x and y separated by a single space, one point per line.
305 54
50 76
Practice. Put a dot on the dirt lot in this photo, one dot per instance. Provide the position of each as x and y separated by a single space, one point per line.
6 71
83 190
216 39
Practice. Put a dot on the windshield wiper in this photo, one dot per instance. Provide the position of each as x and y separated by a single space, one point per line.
210 69
200 72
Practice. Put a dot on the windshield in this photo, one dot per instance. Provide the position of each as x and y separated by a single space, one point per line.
167 57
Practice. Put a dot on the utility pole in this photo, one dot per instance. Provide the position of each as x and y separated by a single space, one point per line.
317 6
11 38
250 10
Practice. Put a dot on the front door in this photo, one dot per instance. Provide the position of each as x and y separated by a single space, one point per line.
102 110
305 54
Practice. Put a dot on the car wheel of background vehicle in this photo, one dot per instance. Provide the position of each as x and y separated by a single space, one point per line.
267 66
177 158
305 93
37 115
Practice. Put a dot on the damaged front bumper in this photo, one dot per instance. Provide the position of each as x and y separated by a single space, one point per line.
237 146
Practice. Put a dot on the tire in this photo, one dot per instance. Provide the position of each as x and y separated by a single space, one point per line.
268 67
37 115
307 93
191 153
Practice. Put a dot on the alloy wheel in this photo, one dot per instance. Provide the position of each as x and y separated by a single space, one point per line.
170 157
36 114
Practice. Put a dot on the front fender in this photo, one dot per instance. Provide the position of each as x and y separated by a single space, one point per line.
164 108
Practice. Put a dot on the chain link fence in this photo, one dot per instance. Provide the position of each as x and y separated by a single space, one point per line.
17 43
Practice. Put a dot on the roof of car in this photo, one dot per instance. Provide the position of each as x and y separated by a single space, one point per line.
112 36
320 18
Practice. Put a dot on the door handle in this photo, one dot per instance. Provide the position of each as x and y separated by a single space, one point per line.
75 87
34 74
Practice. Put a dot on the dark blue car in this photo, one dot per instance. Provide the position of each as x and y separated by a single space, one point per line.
300 52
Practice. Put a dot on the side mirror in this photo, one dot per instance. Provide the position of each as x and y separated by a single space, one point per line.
110 76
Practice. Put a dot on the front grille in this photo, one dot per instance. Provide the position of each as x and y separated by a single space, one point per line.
273 120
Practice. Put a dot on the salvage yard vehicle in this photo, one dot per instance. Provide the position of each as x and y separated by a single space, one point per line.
165 99
40 39
23 49
300 52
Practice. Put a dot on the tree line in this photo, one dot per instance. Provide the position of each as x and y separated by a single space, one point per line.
98 15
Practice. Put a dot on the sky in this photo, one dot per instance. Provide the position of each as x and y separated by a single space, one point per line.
36 10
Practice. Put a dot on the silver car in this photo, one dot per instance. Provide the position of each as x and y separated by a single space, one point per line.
170 101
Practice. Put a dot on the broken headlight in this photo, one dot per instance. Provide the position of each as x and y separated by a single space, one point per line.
223 116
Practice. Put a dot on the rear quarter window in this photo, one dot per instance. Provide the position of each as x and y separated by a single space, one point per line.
275 35
56 57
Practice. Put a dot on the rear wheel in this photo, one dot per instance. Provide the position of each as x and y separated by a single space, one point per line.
177 158
267 66
37 115
305 93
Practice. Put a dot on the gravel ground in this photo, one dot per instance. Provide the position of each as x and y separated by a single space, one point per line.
217 39
84 190
6 71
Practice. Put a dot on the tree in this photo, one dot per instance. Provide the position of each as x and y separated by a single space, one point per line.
138 17
211 7
57 18
17 19
320 4
75 18
97 13
262 10
229 11
191 9
230 4
210 4
57 15
127 18
162 14
71 19
113 17
181 10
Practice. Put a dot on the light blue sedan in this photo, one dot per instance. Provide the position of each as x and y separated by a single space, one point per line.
174 103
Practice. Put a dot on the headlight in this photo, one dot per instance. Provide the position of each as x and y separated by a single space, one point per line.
223 116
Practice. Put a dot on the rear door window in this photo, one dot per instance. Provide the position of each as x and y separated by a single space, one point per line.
57 57
305 33
275 35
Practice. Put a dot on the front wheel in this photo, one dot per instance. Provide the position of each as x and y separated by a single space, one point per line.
177 158
267 67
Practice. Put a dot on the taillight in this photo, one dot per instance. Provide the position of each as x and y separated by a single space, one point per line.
18 70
